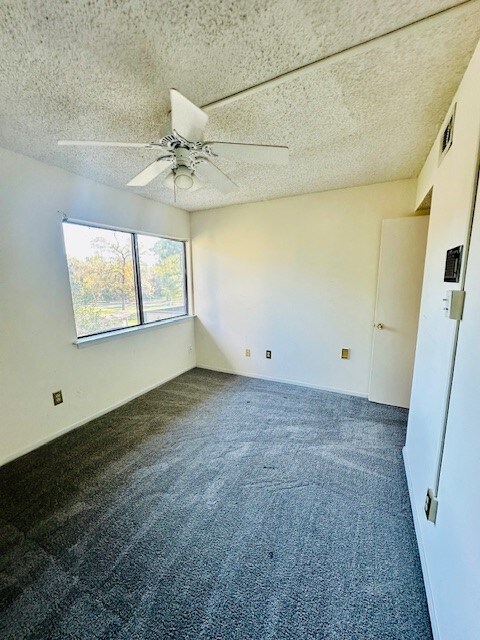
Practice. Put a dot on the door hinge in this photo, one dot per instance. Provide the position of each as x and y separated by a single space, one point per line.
431 506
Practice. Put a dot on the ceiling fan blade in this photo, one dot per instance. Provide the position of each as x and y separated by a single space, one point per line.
187 119
93 143
208 172
152 171
256 153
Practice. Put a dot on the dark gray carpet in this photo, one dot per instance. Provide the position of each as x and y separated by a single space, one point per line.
215 507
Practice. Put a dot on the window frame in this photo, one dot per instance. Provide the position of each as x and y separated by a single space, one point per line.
137 280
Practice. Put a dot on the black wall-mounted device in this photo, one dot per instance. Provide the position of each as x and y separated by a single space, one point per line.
453 264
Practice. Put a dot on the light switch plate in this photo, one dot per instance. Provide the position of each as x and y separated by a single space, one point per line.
454 302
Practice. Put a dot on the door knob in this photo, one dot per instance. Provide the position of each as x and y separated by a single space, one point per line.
380 325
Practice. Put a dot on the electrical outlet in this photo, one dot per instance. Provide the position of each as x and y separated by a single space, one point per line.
268 354
247 353
190 348
345 354
57 397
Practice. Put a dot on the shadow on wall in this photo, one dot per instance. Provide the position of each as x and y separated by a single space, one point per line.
206 343
101 455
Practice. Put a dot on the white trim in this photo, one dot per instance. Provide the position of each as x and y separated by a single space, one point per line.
421 549
284 381
117 333
95 415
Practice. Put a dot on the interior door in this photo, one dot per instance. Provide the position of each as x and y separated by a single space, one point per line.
400 276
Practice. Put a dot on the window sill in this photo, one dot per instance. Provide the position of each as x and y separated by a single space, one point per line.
101 337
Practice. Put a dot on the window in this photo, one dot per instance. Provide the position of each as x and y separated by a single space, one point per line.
162 275
120 279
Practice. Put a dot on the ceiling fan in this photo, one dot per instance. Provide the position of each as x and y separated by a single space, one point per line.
185 160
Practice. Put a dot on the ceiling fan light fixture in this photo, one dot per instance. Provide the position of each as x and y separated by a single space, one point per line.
183 178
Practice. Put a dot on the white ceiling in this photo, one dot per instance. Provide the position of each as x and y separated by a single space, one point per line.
101 69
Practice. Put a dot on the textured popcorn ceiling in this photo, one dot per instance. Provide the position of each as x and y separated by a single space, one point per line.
101 70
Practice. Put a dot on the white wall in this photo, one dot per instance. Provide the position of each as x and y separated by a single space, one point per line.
297 276
448 547
454 551
36 317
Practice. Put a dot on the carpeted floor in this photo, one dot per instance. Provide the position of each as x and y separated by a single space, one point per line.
215 507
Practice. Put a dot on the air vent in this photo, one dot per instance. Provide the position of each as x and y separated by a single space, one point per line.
447 136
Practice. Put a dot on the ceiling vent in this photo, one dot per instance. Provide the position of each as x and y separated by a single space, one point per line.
447 136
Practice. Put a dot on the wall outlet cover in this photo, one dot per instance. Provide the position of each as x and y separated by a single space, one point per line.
268 354
57 397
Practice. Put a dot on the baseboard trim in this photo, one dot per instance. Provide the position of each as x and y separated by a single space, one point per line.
421 549
283 380
98 414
